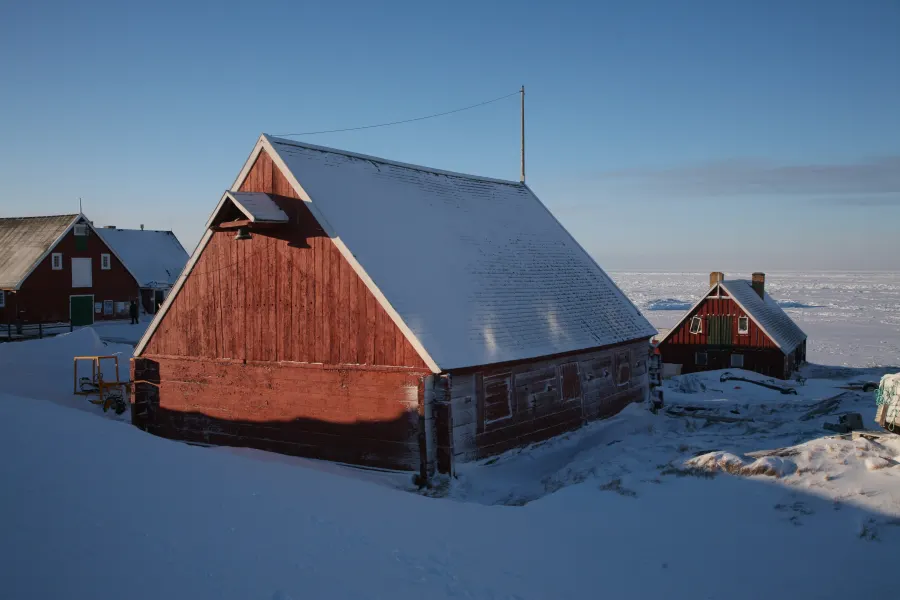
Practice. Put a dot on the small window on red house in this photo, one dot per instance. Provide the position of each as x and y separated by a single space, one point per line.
2 299
104 262
697 325
743 324
56 261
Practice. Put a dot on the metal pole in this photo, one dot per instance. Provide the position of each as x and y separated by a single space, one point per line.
523 134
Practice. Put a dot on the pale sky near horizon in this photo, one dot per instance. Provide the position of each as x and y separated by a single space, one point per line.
689 136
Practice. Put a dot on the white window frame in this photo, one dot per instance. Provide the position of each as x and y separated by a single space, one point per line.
699 321
744 330
56 261
105 262
705 356
741 357
2 299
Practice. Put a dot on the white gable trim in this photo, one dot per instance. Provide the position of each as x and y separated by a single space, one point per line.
348 256
263 143
706 297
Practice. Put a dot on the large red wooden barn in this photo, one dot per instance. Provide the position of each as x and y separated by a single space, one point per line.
57 269
366 311
736 324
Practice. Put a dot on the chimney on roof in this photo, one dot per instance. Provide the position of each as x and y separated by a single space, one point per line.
715 277
142 226
109 227
759 284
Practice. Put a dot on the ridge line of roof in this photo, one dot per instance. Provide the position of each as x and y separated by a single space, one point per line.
69 215
387 161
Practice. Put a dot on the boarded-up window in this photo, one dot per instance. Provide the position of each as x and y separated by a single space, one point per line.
720 330
623 368
737 360
571 383
536 390
82 276
700 359
497 406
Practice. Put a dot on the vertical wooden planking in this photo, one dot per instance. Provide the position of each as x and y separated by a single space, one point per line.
323 330
352 334
335 304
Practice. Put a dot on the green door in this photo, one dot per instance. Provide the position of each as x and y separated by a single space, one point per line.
81 310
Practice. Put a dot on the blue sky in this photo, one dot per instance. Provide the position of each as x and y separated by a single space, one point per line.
666 135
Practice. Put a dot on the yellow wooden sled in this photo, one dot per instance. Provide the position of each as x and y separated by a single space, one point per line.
110 394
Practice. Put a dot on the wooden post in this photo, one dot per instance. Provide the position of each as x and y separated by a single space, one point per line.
523 133
40 330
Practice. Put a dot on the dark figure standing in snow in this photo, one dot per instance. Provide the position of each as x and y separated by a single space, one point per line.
133 311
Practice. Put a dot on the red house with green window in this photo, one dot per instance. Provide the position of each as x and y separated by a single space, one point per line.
736 324
56 269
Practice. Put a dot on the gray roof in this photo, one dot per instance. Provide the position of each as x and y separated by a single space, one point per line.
777 324
24 241
155 258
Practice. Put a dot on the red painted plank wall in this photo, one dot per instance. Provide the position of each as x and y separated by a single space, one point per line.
756 338
286 294
364 415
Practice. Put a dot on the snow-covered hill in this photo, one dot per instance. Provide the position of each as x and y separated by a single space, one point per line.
93 508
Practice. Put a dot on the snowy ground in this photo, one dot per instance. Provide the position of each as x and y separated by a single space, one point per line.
735 492
851 319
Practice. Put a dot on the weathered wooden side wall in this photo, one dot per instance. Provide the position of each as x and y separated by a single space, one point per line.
44 296
361 415
500 407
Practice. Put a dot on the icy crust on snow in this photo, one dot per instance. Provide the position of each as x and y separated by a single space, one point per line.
507 281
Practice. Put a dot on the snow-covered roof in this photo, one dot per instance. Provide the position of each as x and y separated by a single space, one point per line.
777 324
155 258
25 241
478 269
258 207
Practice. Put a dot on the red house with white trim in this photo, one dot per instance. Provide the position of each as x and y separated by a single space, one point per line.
57 269
736 324
362 310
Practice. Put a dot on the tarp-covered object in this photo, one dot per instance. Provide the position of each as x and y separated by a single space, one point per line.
888 399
